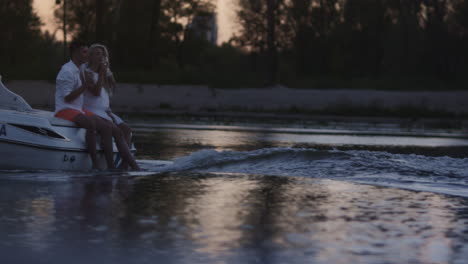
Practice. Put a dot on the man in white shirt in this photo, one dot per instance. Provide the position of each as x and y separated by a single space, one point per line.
70 86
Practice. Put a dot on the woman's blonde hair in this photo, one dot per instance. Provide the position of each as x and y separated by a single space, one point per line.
97 45
106 83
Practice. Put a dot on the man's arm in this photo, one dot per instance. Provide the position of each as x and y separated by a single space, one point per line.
75 94
67 85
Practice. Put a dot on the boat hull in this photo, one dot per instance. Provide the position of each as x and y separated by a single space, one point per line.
33 139
15 156
29 141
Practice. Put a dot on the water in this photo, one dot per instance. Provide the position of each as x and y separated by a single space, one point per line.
216 195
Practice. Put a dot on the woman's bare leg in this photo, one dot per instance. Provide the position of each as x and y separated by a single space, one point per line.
104 128
90 126
123 148
127 134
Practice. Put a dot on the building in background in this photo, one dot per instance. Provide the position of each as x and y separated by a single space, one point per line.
204 26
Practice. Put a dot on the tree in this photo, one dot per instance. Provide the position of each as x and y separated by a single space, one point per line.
314 25
180 14
263 29
154 34
20 30
100 12
366 24
436 36
127 25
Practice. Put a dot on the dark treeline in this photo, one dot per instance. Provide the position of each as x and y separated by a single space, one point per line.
386 43
389 44
24 50
152 40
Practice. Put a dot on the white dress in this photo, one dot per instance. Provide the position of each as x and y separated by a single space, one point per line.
99 105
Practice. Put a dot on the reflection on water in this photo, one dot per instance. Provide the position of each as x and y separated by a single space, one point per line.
227 218
244 197
167 144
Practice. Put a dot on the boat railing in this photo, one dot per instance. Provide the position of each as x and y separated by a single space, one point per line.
11 101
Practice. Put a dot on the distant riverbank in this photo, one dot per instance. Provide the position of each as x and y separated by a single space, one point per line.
270 103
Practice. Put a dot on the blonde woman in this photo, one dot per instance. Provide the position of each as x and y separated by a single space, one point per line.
97 101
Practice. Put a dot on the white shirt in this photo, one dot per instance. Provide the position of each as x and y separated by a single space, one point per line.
100 104
68 80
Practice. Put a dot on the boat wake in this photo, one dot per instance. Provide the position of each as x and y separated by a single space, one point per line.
414 172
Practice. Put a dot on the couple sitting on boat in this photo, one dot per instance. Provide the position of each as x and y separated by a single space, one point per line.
83 88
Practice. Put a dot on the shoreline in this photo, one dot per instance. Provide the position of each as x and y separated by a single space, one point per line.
454 124
277 105
148 98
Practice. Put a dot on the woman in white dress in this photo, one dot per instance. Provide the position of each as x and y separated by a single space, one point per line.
97 101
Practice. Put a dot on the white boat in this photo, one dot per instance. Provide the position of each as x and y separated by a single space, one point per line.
33 139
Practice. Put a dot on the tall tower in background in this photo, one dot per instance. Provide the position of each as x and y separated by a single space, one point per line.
205 26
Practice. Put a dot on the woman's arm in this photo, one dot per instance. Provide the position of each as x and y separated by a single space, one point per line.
96 88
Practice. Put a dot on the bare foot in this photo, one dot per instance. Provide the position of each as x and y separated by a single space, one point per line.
135 167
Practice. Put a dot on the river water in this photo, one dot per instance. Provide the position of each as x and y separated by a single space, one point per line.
230 194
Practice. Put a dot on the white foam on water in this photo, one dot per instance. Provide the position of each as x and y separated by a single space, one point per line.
416 172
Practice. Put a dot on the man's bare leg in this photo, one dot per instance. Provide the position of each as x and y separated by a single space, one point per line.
90 126
104 129
123 148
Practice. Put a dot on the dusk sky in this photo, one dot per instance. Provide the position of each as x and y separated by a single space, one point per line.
226 16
